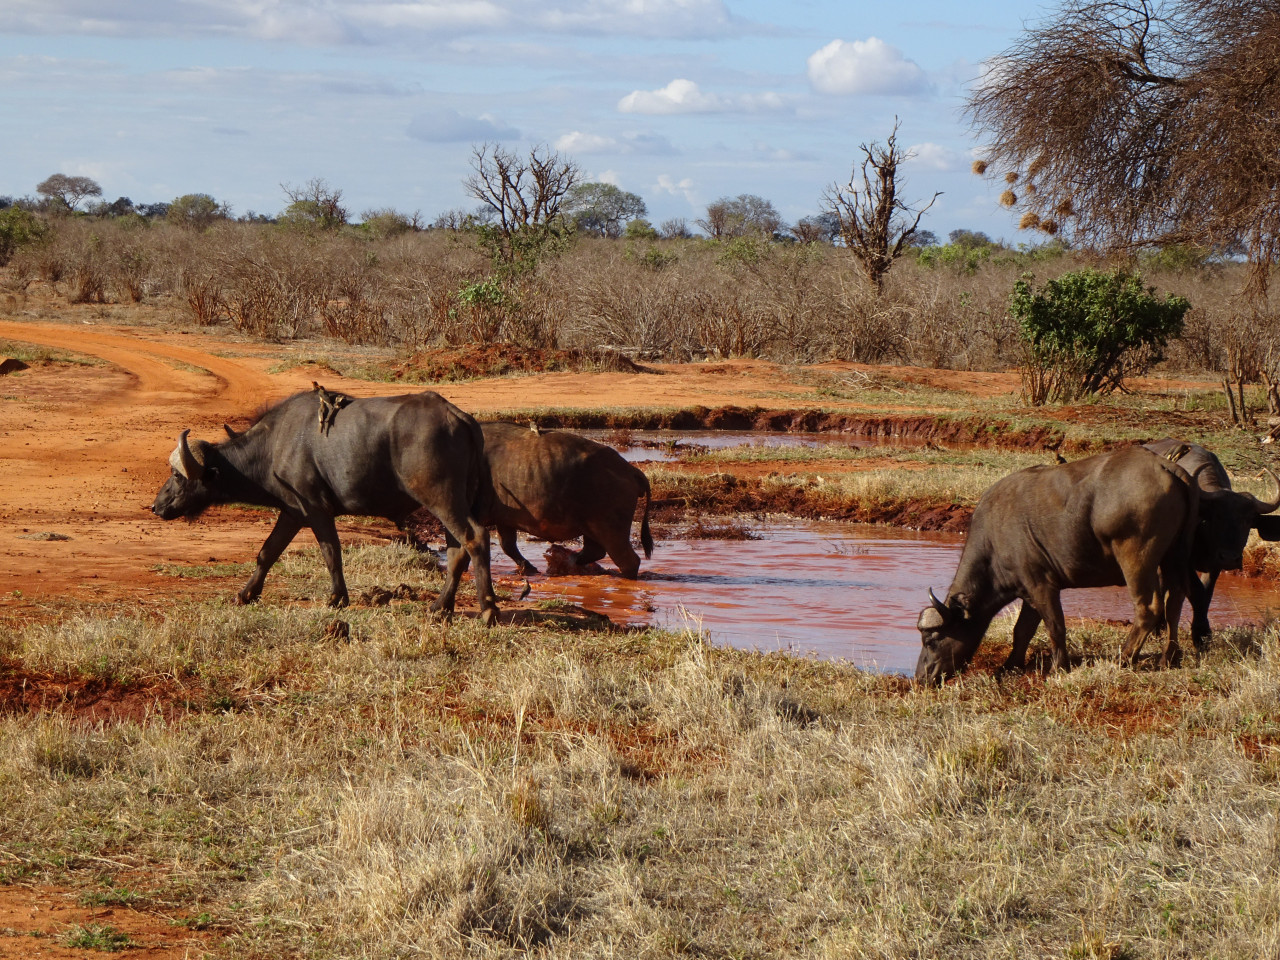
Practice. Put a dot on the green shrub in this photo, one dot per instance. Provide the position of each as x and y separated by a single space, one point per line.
1086 331
19 228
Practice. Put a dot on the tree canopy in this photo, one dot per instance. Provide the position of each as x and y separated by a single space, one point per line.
741 216
1134 122
602 208
68 191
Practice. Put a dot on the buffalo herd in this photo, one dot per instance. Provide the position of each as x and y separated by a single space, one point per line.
1159 519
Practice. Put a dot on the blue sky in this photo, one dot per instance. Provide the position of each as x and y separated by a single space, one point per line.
679 101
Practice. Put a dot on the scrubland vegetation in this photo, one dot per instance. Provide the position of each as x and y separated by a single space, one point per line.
418 788
679 299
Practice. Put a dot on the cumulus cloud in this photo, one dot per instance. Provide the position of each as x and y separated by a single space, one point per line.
685 96
676 188
934 156
578 141
362 21
443 125
868 66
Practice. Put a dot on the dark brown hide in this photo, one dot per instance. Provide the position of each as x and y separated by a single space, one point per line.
1126 517
560 486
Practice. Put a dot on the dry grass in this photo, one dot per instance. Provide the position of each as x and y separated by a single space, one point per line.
436 789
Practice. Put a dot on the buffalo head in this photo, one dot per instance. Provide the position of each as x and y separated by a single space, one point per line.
949 636
1226 517
187 491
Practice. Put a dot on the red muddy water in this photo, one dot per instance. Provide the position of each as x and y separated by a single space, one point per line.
833 590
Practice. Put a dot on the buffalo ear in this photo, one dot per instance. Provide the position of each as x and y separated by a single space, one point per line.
1268 526
231 434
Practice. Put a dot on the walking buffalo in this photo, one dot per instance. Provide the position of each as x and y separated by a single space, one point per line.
319 455
1126 517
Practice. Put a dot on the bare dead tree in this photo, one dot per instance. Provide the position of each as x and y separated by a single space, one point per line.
1134 122
873 223
524 194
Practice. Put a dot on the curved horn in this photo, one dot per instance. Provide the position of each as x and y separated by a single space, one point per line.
938 605
191 467
1266 506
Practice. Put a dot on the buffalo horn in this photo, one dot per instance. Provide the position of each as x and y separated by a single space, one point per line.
191 467
938 605
1266 506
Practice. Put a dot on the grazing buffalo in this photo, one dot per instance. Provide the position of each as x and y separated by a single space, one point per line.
319 455
1121 518
560 486
1226 517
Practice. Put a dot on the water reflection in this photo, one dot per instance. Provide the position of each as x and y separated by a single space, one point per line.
835 590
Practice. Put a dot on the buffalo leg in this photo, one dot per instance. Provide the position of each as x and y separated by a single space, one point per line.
625 556
281 536
1024 628
507 537
592 550
1172 655
473 545
1148 615
1200 596
1049 606
326 532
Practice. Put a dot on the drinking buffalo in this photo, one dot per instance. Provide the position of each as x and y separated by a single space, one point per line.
314 461
1226 517
1124 517
560 486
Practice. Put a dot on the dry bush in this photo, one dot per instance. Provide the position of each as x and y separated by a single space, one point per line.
667 300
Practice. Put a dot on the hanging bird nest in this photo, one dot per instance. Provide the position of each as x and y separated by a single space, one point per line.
1030 220
1008 198
979 167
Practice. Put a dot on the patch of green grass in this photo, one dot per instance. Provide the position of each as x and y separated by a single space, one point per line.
97 936
202 571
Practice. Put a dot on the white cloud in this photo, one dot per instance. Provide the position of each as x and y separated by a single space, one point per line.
685 96
868 66
578 141
934 156
676 188
575 141
443 125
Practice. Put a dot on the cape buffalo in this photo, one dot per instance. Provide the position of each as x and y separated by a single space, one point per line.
560 486
1226 517
315 458
1126 517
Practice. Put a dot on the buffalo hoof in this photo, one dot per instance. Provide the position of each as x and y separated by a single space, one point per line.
339 600
527 569
1171 658
489 616
244 598
1011 668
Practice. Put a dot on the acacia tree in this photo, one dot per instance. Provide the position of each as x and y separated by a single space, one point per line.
67 191
1134 122
873 222
524 197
